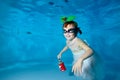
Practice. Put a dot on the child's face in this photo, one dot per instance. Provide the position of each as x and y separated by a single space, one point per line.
69 32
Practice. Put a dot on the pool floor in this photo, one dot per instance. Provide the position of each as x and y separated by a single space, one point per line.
47 72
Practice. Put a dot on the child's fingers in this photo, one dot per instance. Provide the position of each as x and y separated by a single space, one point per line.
74 69
58 56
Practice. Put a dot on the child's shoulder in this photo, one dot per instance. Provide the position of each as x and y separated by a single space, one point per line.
82 41
79 40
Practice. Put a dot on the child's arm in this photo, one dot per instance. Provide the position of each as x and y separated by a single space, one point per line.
88 52
77 67
62 51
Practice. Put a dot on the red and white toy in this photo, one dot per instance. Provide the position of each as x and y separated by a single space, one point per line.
61 65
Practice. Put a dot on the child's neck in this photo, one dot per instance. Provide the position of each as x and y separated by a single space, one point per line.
72 41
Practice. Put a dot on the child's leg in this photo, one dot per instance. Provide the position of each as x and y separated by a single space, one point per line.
88 76
88 73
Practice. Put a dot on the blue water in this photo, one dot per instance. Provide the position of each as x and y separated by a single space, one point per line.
31 37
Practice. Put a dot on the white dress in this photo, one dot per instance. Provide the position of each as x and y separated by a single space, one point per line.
88 64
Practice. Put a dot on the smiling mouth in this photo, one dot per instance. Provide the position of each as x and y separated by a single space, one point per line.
68 36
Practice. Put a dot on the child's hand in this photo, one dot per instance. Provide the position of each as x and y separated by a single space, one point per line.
77 68
59 56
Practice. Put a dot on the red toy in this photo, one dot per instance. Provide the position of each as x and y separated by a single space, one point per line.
61 65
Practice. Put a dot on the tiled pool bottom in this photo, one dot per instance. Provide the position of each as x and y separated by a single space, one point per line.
49 72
